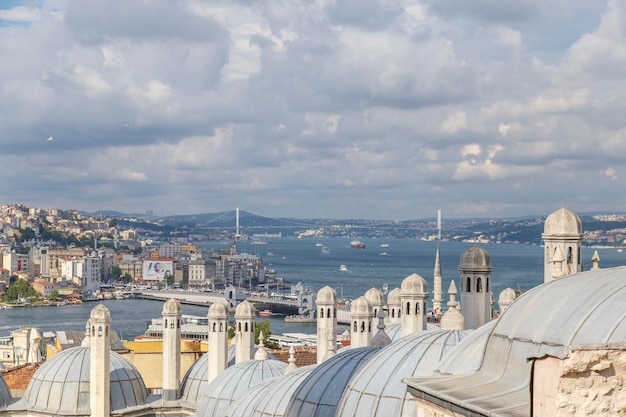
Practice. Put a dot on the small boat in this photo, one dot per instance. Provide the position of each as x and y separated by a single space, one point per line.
383 254
265 313
384 245
342 267
325 249
318 244
357 244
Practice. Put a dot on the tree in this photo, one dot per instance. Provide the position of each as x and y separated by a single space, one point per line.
261 326
126 278
116 273
20 288
113 222
54 294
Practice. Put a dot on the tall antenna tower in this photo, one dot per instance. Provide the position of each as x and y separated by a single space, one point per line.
237 235
438 278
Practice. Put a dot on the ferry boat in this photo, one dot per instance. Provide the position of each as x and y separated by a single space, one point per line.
357 244
265 313
343 267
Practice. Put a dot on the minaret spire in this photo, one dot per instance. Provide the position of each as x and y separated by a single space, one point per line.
437 287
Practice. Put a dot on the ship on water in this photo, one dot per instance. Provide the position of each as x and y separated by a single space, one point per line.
357 244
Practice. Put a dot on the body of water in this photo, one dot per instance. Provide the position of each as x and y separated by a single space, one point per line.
303 261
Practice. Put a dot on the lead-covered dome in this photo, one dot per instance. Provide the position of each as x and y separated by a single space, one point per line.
61 384
318 395
245 310
475 257
5 394
270 397
361 306
563 222
413 285
172 306
234 382
377 389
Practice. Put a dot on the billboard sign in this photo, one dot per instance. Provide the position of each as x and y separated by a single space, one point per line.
157 270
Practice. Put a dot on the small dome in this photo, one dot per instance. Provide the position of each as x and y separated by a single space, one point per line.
374 296
563 222
414 285
270 397
61 384
172 306
218 311
245 310
234 382
5 393
196 379
327 295
475 257
507 296
377 389
393 298
318 395
100 312
361 306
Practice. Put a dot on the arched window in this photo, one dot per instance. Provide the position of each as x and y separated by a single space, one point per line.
468 285
408 308
328 314
487 284
246 327
214 327
334 312
172 324
321 313
362 326
239 326
354 328
393 313
479 285
417 309
221 327
165 323
369 326
569 255
178 323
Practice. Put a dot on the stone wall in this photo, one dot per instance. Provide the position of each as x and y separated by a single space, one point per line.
589 381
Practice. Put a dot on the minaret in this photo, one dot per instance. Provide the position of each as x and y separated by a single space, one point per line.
394 306
100 362
413 296
376 299
452 318
361 322
326 323
437 288
562 229
475 270
172 313
244 331
218 340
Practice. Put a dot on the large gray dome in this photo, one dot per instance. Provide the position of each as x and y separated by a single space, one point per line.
5 393
61 384
377 389
269 398
318 395
475 257
581 309
234 382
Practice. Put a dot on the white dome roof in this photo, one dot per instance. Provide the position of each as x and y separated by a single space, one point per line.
475 257
361 306
218 311
413 285
563 222
327 295
245 310
377 389
393 298
234 382
197 377
507 295
270 397
374 296
318 395
61 384
172 306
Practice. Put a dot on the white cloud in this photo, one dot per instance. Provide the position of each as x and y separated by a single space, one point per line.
611 173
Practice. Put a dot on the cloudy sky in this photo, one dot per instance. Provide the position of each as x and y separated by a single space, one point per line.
384 109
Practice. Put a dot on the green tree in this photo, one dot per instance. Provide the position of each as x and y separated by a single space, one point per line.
126 278
113 222
54 294
261 326
20 288
116 273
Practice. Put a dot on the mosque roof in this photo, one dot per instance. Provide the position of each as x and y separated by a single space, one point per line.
547 320
61 385
318 395
377 389
270 397
475 257
327 295
5 393
413 285
234 382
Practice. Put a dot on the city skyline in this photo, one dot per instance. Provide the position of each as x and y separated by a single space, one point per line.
367 110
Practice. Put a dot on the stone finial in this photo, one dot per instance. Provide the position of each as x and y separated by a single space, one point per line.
261 353
595 260
381 338
452 319
292 360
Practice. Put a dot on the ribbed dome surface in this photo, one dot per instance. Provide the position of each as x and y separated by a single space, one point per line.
5 393
270 397
361 306
377 389
318 395
327 295
197 377
563 222
172 306
234 382
475 257
413 285
61 384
